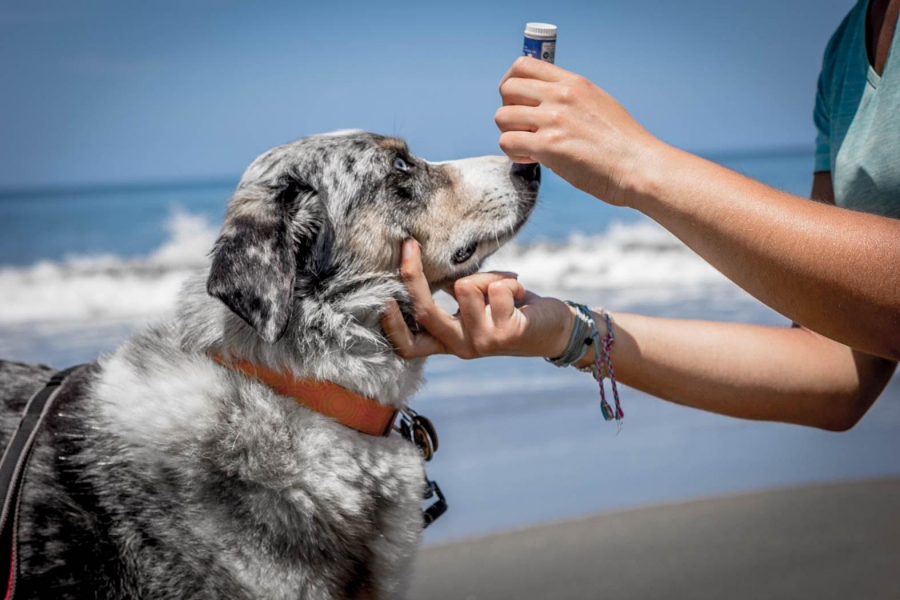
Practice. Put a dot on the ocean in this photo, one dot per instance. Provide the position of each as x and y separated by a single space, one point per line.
521 441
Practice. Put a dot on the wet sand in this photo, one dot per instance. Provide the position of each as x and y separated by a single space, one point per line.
838 541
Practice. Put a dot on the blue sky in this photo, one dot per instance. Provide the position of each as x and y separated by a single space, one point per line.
99 92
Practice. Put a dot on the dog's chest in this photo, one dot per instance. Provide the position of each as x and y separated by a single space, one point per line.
343 508
286 502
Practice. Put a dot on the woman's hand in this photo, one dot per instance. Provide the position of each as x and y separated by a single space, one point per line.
497 316
568 124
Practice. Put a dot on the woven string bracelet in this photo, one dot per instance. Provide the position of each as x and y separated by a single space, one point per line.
584 335
607 343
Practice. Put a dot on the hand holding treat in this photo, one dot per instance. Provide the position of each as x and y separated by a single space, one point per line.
565 122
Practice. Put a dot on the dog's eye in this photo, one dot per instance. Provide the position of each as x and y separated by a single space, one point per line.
401 165
464 254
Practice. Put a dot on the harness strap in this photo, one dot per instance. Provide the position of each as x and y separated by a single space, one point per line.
13 466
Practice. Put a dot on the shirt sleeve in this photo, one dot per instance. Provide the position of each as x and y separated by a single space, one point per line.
822 115
822 119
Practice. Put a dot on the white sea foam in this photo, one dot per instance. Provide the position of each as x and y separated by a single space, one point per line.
635 263
640 254
107 286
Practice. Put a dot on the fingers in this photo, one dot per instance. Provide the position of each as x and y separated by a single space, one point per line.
470 298
502 298
498 288
526 92
532 68
412 273
484 279
519 144
471 293
516 118
428 314
525 85
408 344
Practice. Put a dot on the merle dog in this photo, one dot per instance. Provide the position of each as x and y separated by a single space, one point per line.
163 474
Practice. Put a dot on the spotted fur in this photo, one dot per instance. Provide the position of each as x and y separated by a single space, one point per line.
164 475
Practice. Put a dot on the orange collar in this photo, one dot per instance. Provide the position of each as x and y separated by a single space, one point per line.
330 399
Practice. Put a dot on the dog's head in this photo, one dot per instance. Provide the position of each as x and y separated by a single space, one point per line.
334 208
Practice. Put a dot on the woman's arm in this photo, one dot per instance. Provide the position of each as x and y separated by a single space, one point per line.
782 374
830 269
764 373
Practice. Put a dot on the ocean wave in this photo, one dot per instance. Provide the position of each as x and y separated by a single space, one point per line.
631 263
108 286
640 255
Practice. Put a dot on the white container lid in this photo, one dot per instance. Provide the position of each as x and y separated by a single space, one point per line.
541 30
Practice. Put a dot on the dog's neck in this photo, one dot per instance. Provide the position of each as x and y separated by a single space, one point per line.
336 339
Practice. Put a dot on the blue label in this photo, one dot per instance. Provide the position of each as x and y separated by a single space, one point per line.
540 49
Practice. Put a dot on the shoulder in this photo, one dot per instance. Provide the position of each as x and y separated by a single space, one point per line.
155 394
841 41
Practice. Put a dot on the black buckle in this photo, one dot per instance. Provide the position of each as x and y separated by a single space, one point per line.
438 507
419 430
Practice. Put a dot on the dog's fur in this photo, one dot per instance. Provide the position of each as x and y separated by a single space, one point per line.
163 474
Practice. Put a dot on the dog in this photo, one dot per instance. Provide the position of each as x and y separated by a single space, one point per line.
165 473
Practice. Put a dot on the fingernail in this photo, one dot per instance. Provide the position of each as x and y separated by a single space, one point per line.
407 249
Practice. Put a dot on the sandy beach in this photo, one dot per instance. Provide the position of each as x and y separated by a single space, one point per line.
838 541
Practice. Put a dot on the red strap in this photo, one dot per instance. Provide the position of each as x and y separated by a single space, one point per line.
330 399
12 570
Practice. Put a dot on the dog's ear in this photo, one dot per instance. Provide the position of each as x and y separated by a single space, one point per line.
254 261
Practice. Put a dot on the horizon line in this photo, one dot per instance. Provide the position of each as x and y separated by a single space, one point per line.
101 187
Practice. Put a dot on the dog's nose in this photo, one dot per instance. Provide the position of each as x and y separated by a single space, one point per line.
531 173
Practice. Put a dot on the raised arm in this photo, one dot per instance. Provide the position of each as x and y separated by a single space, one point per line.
832 270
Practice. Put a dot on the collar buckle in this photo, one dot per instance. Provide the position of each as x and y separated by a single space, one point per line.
436 508
419 430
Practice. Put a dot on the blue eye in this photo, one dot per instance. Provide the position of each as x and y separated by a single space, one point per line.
401 165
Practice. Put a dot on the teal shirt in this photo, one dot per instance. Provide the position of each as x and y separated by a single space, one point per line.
857 116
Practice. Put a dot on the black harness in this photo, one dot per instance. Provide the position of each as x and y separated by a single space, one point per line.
13 466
